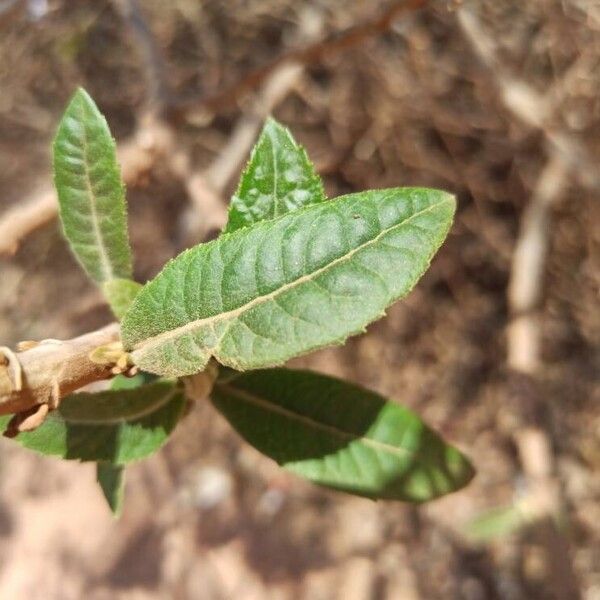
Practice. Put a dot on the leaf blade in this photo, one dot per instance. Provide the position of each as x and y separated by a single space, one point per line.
279 178
90 191
120 294
336 267
117 426
340 436
111 479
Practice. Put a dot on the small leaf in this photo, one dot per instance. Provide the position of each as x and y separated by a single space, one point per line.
498 522
120 293
340 436
267 293
278 179
91 194
117 426
111 479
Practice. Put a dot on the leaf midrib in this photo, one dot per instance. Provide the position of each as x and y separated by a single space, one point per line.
157 340
134 416
275 176
311 423
104 258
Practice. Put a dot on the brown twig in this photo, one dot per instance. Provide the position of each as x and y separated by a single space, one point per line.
136 156
157 90
47 371
533 442
527 104
544 494
206 188
527 270
309 54
23 218
154 138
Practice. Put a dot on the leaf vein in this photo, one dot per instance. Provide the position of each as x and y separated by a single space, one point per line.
158 339
311 423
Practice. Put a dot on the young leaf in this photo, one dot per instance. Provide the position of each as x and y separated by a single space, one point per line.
120 293
339 435
278 179
500 521
111 479
280 288
117 426
91 194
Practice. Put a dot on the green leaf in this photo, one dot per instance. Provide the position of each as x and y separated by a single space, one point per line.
498 522
278 179
267 293
111 479
120 293
120 382
117 426
91 194
339 435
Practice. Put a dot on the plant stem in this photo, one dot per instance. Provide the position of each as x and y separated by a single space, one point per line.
48 371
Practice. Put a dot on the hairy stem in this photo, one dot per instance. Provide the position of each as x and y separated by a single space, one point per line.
48 371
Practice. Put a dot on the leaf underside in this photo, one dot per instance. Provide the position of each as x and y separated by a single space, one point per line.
117 426
91 194
339 435
111 479
279 178
267 293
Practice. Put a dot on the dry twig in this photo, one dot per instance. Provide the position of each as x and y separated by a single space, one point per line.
527 104
206 189
527 271
544 494
45 372
310 54
157 90
155 138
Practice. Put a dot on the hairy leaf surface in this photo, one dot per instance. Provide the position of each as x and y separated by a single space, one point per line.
91 194
339 435
278 179
120 294
267 293
117 426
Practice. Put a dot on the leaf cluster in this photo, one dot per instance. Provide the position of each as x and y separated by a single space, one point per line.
291 272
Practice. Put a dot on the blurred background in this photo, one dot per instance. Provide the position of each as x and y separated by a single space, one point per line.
498 347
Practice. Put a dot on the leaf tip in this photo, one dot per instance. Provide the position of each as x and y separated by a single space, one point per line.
273 127
271 121
82 94
111 479
450 199
460 467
